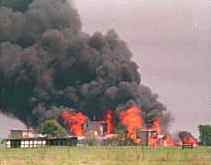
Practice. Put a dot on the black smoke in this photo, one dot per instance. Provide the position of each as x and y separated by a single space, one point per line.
47 62
184 134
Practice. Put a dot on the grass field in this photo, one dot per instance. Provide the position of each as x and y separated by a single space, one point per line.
105 156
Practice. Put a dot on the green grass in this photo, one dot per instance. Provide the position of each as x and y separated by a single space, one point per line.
105 156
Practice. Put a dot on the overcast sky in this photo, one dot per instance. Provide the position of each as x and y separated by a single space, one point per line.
169 40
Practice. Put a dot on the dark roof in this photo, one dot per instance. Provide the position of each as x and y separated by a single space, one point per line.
36 138
43 138
22 130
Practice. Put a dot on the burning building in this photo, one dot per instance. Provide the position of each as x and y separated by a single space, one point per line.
131 119
187 139
80 129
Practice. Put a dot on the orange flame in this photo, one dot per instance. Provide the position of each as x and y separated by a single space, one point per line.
153 138
132 119
109 122
74 122
156 125
189 140
168 141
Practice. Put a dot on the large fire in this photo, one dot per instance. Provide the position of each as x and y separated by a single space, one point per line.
156 138
109 122
133 121
74 122
187 138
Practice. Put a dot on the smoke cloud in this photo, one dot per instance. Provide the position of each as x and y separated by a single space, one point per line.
47 62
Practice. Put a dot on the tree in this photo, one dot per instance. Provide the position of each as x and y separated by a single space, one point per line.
52 128
205 134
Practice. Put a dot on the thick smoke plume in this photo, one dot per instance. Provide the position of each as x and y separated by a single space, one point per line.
47 63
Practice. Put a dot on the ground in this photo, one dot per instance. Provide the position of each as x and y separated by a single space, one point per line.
105 156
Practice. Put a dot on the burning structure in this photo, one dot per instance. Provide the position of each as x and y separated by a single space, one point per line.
135 129
80 128
74 122
187 139
133 121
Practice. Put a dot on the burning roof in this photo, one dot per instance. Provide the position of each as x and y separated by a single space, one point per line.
187 138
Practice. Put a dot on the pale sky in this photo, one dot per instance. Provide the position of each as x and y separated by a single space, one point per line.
170 42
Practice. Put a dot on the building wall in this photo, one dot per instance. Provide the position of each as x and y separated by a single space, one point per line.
25 143
40 142
22 134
